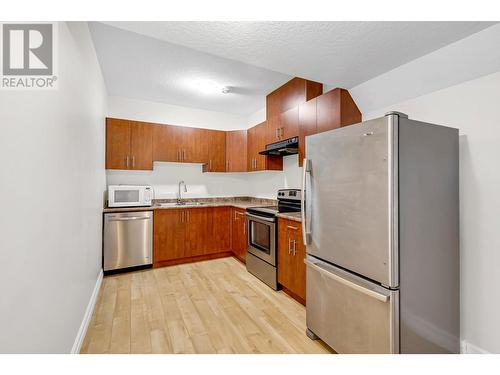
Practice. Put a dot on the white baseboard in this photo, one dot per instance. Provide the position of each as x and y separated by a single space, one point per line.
80 336
468 348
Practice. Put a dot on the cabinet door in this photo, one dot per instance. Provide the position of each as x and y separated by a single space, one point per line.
261 132
291 253
289 123
236 151
238 234
169 235
195 144
251 141
199 230
117 144
216 151
307 125
299 253
273 129
221 230
285 258
167 143
141 145
328 111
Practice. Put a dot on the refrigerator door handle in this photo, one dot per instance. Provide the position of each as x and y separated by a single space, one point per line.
350 284
305 233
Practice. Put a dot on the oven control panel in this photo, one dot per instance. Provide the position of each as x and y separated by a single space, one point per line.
290 194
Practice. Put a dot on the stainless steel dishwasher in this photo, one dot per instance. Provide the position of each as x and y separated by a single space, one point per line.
128 240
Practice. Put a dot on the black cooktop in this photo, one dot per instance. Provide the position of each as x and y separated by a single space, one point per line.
288 201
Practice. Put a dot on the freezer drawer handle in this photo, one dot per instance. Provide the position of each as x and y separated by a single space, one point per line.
348 283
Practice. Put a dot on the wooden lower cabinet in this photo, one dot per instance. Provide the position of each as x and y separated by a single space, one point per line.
169 235
291 254
239 233
183 235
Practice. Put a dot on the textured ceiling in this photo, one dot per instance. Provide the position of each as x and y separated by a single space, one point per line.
341 54
141 67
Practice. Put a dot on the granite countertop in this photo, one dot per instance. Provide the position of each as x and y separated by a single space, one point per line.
238 202
295 216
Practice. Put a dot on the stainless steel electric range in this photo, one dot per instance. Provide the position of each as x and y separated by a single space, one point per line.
262 236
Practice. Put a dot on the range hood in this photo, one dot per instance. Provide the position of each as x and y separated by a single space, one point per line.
288 146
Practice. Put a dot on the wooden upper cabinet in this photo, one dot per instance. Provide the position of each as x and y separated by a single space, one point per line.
236 151
216 159
290 123
195 145
117 144
167 141
273 129
260 144
307 125
336 108
290 95
251 141
141 145
257 140
129 144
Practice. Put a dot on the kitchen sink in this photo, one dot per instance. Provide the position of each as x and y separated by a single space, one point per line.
182 204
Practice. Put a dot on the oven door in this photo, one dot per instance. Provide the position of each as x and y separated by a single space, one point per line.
262 237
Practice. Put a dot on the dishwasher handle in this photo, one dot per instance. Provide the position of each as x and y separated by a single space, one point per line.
129 218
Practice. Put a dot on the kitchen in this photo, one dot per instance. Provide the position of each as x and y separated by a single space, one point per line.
241 208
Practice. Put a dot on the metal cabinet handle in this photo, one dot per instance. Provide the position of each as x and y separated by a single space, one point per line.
290 227
188 216
289 245
244 227
346 282
294 247
178 155
282 132
126 161
133 161
183 155
210 164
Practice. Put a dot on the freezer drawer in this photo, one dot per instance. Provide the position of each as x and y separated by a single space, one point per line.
351 314
128 240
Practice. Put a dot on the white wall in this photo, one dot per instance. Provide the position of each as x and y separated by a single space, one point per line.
474 108
162 113
52 181
165 176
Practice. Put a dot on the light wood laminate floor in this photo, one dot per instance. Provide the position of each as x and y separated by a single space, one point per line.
213 306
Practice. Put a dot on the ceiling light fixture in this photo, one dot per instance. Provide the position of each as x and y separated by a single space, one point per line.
211 87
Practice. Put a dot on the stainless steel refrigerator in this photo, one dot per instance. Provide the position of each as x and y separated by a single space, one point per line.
381 227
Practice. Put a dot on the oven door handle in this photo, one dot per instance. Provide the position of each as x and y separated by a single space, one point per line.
268 219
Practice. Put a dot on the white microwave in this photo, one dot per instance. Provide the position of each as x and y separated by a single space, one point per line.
130 195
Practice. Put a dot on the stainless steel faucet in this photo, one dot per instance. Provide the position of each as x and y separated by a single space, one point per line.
179 195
